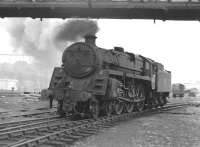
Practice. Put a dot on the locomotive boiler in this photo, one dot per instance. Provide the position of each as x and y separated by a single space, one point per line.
93 81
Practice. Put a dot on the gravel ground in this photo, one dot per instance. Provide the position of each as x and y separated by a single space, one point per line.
18 105
22 103
176 128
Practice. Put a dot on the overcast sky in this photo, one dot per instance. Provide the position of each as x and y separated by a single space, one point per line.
175 44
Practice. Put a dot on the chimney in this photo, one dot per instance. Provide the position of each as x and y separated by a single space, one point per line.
90 39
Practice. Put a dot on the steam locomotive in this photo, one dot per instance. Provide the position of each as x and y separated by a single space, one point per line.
93 81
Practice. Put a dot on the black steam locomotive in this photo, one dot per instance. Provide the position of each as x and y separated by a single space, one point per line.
93 81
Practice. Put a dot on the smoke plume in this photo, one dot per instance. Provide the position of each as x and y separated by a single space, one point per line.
45 40
74 30
33 38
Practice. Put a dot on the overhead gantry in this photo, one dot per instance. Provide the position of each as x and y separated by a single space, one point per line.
116 9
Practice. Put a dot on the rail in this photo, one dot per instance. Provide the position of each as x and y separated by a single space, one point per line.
68 132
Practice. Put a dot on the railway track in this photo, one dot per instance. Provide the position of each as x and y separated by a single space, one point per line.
62 132
30 125
28 114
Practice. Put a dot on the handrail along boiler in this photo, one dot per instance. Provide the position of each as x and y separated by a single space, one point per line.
94 81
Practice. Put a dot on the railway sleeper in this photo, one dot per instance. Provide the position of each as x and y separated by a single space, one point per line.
81 134
65 140
53 127
75 137
67 137
63 126
31 144
89 131
31 136
53 137
43 140
43 129
16 134
55 143
4 143
3 137
48 131
32 131
41 134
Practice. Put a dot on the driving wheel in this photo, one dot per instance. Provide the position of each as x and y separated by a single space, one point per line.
109 108
94 108
140 106
118 107
129 107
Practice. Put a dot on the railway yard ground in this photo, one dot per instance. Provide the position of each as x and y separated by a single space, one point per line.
13 108
172 128
175 128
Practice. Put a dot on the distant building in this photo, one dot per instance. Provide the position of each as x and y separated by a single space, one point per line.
193 85
8 84
21 85
29 86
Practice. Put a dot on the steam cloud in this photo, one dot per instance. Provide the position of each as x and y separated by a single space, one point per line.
33 38
45 40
